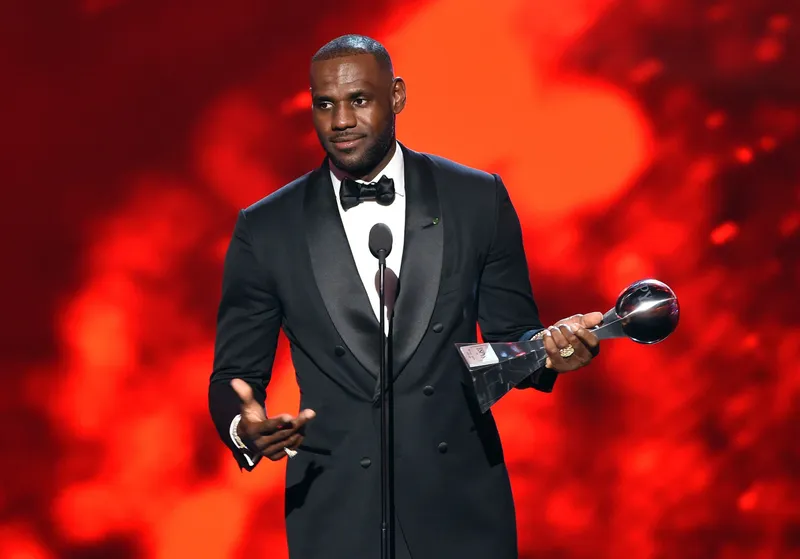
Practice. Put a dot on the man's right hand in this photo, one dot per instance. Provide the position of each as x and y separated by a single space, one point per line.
268 437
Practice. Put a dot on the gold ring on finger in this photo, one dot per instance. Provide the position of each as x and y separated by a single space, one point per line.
567 352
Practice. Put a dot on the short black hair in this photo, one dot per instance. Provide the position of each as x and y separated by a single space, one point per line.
348 45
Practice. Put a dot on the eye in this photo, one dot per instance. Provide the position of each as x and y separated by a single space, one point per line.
324 105
360 102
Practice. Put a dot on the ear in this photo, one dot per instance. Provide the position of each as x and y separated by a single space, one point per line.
398 95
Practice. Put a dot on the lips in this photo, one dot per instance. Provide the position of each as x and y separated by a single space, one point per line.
346 142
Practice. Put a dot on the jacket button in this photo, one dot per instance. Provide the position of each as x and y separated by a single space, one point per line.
438 327
339 351
365 462
428 391
442 447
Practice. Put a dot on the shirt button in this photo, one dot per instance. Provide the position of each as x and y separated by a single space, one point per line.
428 391
438 327
442 447
339 351
365 462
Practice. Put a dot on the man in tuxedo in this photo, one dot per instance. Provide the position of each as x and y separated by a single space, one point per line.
299 260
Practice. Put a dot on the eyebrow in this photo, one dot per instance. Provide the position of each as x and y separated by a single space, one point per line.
352 95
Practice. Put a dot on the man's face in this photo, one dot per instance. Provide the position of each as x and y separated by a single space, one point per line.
354 106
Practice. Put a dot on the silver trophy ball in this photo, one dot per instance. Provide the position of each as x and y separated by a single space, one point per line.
647 311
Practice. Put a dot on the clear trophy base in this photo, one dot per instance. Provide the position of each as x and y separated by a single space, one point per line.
646 312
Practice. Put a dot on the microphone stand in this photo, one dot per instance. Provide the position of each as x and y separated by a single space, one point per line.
387 440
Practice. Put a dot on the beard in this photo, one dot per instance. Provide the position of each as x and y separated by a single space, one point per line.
372 156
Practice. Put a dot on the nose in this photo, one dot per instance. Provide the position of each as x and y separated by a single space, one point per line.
343 117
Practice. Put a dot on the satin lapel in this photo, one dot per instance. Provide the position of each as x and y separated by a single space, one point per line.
336 274
422 259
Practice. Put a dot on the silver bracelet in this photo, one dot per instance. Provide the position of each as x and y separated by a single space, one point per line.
235 433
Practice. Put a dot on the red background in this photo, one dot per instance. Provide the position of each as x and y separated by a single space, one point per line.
637 138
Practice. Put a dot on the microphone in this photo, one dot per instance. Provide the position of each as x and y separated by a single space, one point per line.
380 240
380 245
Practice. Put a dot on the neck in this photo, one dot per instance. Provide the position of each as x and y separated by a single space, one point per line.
370 176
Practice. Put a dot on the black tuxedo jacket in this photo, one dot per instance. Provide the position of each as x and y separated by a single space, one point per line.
289 266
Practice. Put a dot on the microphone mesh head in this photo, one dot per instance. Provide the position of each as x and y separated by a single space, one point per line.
380 238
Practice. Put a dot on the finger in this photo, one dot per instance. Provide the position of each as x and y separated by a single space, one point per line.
590 340
303 417
295 441
249 404
265 444
243 390
579 358
574 319
272 436
286 422
583 352
587 337
568 331
558 337
274 450
553 356
269 427
591 319
259 428
582 356
276 456
281 454
279 422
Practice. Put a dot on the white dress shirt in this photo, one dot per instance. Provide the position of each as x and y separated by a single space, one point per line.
358 222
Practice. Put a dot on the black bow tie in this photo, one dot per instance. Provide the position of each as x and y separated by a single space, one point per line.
352 192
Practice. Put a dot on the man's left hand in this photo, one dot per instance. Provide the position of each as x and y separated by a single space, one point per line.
569 343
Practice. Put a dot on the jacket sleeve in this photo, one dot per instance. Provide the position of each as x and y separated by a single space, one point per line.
248 323
506 308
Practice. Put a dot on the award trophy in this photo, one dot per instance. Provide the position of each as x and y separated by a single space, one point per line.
646 312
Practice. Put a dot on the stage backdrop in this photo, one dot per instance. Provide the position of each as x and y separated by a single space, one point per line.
637 138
